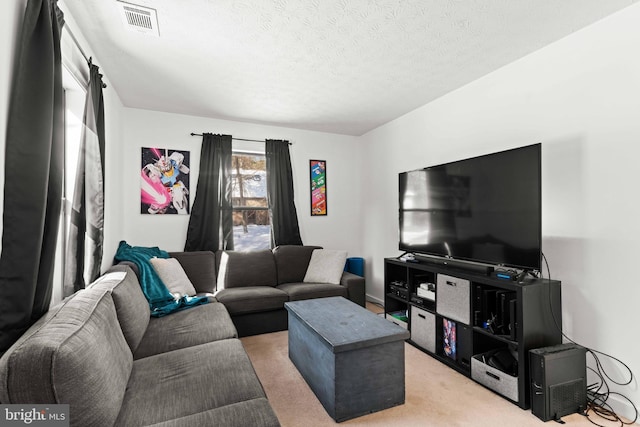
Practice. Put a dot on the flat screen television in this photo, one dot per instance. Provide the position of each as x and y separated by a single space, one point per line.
484 209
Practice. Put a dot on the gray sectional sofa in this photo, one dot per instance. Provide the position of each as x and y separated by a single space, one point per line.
253 286
100 351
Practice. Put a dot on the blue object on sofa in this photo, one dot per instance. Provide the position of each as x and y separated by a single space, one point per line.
355 265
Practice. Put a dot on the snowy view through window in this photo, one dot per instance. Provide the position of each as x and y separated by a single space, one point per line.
251 228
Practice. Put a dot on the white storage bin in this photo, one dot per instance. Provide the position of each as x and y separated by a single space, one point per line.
454 297
395 320
423 329
493 378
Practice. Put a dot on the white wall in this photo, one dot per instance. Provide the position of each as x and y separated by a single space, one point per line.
580 97
114 183
143 128
10 25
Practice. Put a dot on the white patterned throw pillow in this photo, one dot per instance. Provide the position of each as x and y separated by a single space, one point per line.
326 266
173 276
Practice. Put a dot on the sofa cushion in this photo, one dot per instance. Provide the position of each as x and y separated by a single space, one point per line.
292 262
188 381
186 328
239 269
326 266
300 291
254 413
131 305
252 299
76 356
173 276
200 267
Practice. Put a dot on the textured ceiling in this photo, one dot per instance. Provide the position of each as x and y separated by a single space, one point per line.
329 65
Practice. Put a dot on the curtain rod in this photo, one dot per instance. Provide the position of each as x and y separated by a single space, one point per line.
241 139
75 40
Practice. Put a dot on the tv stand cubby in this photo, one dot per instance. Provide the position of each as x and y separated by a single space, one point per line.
481 326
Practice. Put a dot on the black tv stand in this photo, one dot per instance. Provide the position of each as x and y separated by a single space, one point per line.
488 315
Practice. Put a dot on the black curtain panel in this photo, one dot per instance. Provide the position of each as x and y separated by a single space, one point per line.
211 221
282 208
33 172
86 228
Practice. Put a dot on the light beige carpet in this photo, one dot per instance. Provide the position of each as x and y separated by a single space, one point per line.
435 394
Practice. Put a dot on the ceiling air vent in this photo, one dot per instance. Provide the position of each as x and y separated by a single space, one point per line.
139 18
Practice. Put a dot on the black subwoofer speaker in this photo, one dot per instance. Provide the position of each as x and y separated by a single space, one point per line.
558 381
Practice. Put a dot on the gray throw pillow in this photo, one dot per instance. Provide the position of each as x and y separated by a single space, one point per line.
326 266
173 276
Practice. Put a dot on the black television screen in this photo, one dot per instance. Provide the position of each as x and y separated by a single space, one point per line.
485 209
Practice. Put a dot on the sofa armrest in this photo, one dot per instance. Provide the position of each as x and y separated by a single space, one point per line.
355 286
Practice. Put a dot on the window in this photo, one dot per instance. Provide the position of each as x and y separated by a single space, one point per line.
74 82
251 227
74 96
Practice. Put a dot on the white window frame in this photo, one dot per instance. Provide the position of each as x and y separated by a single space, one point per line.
250 152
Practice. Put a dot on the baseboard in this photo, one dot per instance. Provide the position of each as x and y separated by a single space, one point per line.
621 407
374 300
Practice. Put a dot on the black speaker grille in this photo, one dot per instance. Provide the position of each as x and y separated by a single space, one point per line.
567 398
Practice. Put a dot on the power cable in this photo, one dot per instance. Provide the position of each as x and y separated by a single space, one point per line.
598 393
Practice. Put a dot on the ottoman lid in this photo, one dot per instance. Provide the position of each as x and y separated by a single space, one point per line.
344 325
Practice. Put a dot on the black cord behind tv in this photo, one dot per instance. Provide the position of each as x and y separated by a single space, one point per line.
484 209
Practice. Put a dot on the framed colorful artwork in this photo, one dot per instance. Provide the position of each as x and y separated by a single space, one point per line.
318 176
164 181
